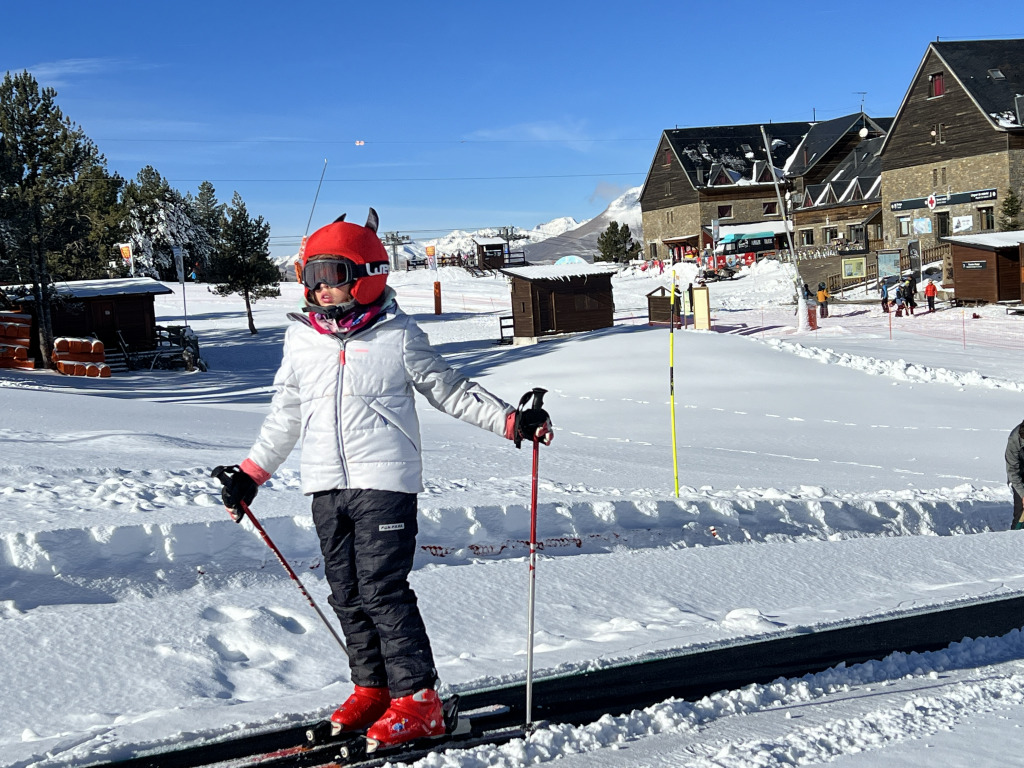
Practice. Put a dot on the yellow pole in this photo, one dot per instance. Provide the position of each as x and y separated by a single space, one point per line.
671 374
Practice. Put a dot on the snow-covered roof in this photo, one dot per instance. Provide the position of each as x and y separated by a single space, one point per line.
990 240
488 241
90 289
128 286
559 271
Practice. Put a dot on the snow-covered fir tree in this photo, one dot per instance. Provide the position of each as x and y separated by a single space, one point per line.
158 218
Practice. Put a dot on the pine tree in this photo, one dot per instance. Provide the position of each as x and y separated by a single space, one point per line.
94 219
616 244
208 215
157 219
1010 210
43 158
243 258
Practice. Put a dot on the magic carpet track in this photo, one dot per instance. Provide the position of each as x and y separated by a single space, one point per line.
583 697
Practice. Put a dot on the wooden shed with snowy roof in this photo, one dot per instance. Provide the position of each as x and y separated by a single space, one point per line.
109 310
560 298
987 266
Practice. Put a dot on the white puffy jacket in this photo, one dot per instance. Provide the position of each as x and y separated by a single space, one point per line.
351 401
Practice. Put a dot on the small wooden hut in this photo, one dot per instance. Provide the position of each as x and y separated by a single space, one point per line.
560 298
100 308
987 267
490 252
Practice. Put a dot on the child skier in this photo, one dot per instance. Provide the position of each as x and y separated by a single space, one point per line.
345 387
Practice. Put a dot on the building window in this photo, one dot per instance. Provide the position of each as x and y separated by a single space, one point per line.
806 237
668 157
936 85
669 216
725 211
770 209
830 234
942 224
987 218
668 188
654 250
904 226
942 176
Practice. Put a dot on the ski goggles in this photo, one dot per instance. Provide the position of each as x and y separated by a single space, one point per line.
337 272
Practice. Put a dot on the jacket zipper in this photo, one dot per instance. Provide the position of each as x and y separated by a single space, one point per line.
341 386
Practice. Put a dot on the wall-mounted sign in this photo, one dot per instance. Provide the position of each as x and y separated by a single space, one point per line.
963 224
934 201
974 264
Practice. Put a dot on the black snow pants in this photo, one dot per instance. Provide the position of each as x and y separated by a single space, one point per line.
368 540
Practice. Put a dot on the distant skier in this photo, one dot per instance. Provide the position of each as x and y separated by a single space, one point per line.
351 364
823 297
930 292
884 290
1015 474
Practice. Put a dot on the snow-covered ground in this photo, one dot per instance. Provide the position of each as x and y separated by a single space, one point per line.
853 471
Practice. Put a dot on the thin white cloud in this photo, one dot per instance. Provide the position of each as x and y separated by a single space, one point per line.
570 133
52 73
605 191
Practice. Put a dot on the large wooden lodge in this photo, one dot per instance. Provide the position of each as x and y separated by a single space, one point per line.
856 184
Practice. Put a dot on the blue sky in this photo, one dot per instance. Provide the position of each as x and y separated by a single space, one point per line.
473 114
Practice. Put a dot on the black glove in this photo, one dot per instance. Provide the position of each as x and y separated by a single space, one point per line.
533 423
238 488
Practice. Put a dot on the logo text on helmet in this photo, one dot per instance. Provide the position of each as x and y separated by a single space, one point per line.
377 268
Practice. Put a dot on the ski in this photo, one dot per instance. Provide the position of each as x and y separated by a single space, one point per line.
322 747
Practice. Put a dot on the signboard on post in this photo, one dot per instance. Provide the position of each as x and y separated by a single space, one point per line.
888 264
179 261
126 256
855 269
914 254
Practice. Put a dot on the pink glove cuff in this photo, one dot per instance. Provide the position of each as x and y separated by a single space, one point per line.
255 471
510 426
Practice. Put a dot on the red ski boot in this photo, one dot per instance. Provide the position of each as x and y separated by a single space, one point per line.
418 716
360 710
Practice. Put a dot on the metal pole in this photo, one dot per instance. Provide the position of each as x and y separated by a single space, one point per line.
671 376
533 585
315 197
785 219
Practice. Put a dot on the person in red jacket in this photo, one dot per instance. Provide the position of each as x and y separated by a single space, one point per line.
929 292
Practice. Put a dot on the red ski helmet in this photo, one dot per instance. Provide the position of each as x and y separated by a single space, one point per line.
358 245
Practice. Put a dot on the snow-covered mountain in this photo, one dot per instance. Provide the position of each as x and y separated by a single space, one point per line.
544 243
582 240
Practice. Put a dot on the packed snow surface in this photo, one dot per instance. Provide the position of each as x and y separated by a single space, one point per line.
825 476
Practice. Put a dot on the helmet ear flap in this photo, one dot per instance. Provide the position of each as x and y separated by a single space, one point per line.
372 221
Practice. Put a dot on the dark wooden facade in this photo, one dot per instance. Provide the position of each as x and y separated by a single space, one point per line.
987 275
104 316
490 255
966 131
542 306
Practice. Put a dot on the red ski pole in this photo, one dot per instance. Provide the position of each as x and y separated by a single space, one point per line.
538 403
533 584
295 577
291 572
